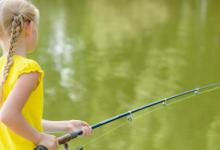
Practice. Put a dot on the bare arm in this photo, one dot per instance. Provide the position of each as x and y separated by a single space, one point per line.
55 126
10 113
66 126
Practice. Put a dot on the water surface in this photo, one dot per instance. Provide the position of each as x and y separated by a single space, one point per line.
105 57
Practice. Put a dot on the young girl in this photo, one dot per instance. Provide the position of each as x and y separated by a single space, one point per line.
21 83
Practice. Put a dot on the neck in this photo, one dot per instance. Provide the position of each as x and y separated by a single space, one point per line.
20 49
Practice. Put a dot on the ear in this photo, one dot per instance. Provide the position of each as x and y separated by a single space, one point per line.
28 27
1 32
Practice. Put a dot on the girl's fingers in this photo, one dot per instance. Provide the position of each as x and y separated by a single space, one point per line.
86 131
88 128
54 147
57 143
85 127
84 123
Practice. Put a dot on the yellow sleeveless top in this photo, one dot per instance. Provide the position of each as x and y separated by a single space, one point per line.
33 109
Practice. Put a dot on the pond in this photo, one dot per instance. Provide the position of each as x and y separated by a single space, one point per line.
104 57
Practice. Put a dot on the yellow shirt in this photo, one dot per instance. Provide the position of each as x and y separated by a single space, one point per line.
33 109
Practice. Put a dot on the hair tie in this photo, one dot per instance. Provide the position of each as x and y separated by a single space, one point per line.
18 20
21 20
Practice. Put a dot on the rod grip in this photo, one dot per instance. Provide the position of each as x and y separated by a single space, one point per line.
62 139
69 136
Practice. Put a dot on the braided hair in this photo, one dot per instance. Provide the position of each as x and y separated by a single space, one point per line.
17 27
13 15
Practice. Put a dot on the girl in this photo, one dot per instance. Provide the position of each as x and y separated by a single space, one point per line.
21 83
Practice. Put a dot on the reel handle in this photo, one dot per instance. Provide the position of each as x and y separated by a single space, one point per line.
40 147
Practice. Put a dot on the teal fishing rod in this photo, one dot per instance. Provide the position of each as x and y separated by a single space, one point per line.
63 140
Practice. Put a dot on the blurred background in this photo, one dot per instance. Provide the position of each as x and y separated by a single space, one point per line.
104 57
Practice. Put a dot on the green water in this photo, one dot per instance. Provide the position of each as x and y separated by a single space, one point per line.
104 57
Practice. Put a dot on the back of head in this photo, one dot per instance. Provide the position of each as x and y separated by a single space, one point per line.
13 15
1 30
10 9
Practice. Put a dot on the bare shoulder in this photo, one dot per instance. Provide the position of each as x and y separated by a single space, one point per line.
30 76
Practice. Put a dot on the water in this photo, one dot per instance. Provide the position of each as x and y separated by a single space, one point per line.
105 57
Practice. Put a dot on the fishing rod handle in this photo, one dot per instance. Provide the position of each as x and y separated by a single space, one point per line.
69 136
62 139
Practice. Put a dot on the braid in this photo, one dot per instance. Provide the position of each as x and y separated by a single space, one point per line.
16 29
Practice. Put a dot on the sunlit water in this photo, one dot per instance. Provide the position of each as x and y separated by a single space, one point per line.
104 57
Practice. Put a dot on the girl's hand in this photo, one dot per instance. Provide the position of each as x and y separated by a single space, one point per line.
49 141
80 125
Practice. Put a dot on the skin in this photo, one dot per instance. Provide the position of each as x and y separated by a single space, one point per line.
18 97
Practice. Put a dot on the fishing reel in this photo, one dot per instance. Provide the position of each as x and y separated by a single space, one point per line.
41 147
63 140
66 147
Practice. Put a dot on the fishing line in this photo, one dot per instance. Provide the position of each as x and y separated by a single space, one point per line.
198 91
134 118
119 126
63 140
115 128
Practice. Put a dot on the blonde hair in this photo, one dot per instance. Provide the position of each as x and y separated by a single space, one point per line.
13 15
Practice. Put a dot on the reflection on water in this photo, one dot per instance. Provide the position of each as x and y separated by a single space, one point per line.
111 26
213 136
61 48
159 78
106 57
203 10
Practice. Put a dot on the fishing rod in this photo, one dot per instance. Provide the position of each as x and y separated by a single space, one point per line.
63 140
